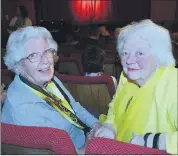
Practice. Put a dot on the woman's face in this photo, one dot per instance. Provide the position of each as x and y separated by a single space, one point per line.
40 64
136 59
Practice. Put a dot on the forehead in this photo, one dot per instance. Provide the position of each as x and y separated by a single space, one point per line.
136 42
35 45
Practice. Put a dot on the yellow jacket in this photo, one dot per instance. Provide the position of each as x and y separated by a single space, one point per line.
153 108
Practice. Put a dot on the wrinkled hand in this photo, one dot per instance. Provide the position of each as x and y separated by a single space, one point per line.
3 97
139 140
95 127
106 131
88 137
2 87
3 93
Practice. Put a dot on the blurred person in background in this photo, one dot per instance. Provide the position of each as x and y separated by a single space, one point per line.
20 20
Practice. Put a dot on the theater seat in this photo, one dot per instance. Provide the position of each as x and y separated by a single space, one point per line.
6 77
25 140
112 67
94 93
69 65
103 146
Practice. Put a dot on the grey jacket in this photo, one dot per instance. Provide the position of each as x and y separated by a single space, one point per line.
23 107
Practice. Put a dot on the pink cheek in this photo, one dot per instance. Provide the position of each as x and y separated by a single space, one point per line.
123 61
143 62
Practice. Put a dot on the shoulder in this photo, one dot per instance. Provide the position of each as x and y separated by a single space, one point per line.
166 89
20 92
58 82
168 79
61 85
122 80
64 89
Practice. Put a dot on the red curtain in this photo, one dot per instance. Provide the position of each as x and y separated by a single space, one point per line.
91 10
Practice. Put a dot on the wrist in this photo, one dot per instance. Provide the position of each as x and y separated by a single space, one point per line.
96 124
109 126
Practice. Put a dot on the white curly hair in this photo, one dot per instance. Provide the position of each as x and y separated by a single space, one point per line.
16 44
156 36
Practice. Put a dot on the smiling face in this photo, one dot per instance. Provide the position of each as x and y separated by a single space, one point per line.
137 61
40 71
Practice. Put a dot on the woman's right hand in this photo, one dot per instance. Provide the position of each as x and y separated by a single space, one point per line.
106 131
3 93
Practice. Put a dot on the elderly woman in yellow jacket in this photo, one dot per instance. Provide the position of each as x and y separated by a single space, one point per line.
144 108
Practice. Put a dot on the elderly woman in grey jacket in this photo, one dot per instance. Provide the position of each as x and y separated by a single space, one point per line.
36 97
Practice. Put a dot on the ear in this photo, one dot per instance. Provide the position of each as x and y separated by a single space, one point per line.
19 68
21 63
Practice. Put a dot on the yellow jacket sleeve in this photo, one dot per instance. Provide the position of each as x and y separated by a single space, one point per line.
171 143
172 137
111 115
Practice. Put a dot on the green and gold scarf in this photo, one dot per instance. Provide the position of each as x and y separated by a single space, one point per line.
63 106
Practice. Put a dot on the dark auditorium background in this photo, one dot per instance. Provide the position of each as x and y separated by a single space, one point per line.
76 26
109 12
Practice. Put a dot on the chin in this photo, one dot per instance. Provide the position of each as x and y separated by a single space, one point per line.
47 76
133 76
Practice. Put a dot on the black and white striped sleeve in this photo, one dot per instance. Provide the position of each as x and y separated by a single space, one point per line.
153 140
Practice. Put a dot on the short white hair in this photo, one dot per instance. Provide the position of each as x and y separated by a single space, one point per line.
156 36
16 43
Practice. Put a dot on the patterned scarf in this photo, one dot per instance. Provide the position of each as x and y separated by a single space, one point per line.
133 107
61 105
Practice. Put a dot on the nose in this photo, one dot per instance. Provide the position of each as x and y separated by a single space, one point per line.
44 60
131 60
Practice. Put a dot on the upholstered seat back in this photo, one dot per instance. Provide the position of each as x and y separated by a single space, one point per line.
94 93
103 146
34 140
8 149
69 65
112 67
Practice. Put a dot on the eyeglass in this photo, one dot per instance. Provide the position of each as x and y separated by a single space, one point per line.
36 57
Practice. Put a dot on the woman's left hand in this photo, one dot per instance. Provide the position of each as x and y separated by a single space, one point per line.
3 93
95 127
89 136
150 140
